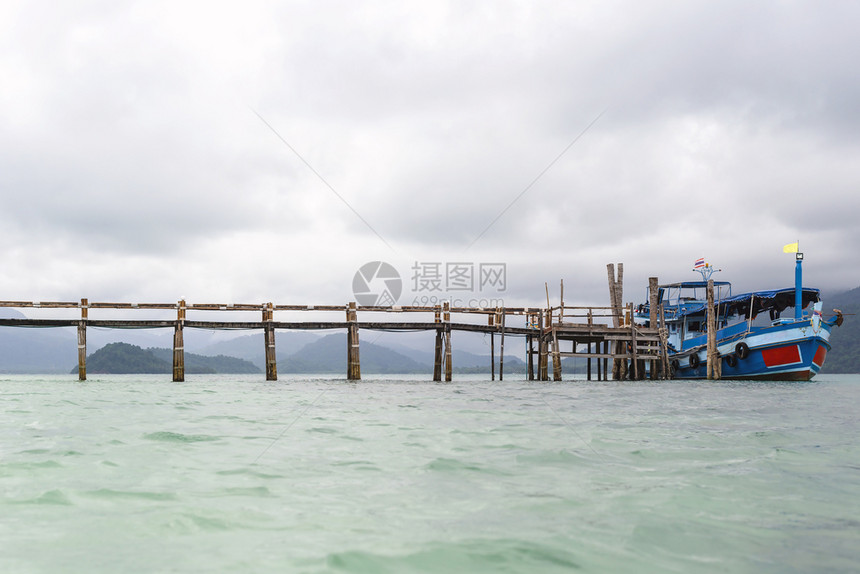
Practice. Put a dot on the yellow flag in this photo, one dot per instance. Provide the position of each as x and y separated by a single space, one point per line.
790 248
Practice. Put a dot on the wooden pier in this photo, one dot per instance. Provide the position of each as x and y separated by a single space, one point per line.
597 334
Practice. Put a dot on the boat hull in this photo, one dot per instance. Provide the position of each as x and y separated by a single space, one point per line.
792 352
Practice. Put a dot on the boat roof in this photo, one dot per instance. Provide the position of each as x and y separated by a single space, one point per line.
759 301
692 284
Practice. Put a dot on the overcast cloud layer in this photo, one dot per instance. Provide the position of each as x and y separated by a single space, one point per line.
135 165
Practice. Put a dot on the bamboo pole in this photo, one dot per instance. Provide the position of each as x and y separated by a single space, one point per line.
634 351
556 357
531 356
616 288
490 322
588 360
353 368
269 338
82 341
179 344
653 283
713 358
502 350
446 318
542 355
438 358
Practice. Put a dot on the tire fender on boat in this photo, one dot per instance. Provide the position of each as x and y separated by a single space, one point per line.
742 350
732 360
694 361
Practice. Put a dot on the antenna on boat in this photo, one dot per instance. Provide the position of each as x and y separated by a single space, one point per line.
706 269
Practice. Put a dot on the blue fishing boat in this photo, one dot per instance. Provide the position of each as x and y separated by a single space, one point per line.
753 340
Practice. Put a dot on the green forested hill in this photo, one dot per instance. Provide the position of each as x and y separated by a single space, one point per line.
202 364
844 357
122 358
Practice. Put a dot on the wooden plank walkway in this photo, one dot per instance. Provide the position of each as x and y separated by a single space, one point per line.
597 334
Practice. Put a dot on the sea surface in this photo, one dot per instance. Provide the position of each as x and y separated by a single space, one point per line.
398 474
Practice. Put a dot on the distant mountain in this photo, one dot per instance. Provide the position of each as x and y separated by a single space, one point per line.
252 348
460 359
844 356
25 350
123 358
328 355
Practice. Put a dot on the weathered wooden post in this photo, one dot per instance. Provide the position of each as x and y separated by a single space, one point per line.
490 322
587 360
437 363
82 341
556 353
543 360
634 348
530 349
606 351
178 344
713 358
353 369
664 345
269 338
616 288
446 317
598 348
653 283
502 350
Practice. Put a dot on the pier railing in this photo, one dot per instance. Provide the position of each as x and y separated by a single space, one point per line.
606 333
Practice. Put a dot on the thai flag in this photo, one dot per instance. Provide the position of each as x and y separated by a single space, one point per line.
699 264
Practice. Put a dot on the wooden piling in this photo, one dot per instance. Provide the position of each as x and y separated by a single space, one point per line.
446 319
82 341
269 338
531 356
634 349
713 357
178 344
665 371
490 322
556 357
353 368
437 363
616 288
606 349
653 283
543 375
587 361
502 350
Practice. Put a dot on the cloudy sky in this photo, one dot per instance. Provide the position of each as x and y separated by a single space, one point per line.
263 151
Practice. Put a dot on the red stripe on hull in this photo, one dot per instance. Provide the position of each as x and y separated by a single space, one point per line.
820 354
779 356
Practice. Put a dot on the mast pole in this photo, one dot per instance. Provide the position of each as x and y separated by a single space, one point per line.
798 287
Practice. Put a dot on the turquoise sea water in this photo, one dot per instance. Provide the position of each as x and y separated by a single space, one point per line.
234 474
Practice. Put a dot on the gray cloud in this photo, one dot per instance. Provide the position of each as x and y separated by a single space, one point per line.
130 142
